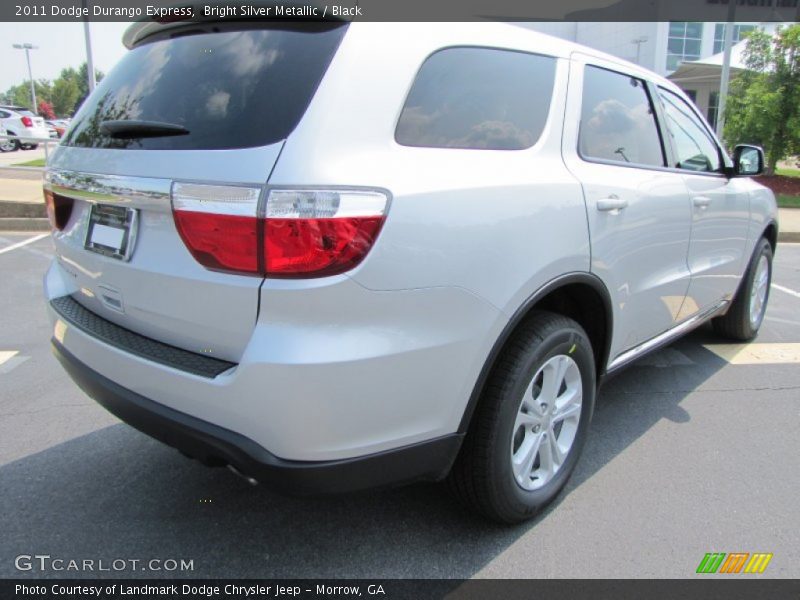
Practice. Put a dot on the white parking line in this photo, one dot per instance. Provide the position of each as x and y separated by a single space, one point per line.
786 290
6 355
755 353
35 238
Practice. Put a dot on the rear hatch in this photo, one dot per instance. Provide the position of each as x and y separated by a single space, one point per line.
204 111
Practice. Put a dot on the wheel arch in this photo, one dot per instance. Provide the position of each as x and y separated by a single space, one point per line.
583 297
771 234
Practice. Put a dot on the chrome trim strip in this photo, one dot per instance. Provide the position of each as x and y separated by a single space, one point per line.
667 336
144 192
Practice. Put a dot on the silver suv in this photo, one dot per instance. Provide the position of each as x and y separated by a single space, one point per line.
338 256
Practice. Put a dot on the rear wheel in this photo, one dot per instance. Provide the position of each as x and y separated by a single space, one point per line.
531 422
744 317
8 145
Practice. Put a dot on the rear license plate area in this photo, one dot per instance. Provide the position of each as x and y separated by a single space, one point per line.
112 231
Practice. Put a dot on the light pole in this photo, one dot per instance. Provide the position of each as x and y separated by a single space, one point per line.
726 69
89 59
28 48
639 41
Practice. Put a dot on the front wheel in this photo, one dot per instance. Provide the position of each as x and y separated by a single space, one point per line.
531 421
744 317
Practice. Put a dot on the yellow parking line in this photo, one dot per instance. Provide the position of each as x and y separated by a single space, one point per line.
6 355
757 354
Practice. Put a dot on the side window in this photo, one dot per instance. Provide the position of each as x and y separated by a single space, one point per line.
617 120
4 114
695 149
478 98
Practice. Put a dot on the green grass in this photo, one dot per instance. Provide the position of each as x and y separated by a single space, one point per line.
786 201
788 172
38 162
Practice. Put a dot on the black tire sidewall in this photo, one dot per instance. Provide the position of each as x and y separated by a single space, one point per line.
762 249
523 503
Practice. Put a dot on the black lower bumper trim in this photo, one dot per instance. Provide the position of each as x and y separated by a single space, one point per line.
426 461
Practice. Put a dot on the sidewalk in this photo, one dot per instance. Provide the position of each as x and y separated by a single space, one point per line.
22 205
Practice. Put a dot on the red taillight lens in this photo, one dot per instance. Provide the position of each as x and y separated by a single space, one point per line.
315 233
220 242
317 247
59 209
218 225
27 121
305 233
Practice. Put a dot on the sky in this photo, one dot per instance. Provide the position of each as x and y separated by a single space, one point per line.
60 45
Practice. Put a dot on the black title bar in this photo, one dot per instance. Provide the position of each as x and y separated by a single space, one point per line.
401 10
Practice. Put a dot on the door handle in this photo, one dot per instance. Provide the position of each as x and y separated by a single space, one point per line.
612 203
701 201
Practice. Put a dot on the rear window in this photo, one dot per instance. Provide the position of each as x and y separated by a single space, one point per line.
478 98
229 89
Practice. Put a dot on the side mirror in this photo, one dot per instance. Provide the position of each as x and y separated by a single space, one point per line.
748 160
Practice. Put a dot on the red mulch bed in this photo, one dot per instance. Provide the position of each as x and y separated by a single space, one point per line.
780 184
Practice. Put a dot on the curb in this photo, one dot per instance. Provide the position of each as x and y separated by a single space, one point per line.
24 224
789 236
22 210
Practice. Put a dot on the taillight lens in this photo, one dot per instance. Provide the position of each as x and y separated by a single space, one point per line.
27 121
59 209
218 224
302 233
314 233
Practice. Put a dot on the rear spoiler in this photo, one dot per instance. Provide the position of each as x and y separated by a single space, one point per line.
186 14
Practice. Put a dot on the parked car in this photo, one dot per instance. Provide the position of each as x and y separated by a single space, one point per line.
19 121
6 145
58 126
356 255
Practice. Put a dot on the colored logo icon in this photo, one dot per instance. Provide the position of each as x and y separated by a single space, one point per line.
735 562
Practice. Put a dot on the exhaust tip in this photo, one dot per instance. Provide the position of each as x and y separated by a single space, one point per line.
247 478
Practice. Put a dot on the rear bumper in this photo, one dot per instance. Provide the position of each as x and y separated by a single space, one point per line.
426 461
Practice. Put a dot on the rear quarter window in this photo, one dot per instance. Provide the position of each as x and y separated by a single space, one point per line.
231 89
478 98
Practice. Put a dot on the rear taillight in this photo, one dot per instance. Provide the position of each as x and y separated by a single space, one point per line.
59 209
313 233
218 224
27 122
297 234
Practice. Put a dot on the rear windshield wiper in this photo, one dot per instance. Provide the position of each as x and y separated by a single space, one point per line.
140 129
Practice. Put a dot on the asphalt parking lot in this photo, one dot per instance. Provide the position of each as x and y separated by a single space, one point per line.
693 450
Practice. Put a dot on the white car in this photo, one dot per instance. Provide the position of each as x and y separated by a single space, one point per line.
335 256
5 144
21 122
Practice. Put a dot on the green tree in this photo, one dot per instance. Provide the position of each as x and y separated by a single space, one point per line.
763 105
65 96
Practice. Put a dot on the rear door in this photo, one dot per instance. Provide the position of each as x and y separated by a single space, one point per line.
638 213
231 95
720 207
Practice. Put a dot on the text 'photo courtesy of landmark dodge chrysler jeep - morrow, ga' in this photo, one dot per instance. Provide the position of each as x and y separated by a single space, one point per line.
335 256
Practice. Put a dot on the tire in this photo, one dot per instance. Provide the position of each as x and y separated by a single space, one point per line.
746 313
9 145
509 419
30 146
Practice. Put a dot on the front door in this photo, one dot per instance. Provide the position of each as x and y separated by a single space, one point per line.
638 209
720 208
